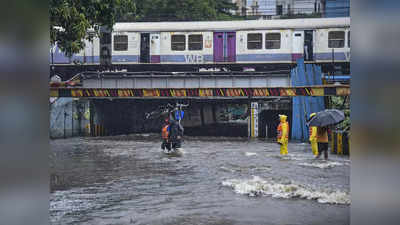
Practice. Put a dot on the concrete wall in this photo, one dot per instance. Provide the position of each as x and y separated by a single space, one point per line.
69 117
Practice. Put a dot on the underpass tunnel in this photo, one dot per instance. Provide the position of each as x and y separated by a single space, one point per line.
126 116
269 117
229 118
202 117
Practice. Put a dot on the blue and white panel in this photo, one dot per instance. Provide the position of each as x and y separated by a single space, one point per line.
322 51
168 56
90 54
56 56
263 55
131 55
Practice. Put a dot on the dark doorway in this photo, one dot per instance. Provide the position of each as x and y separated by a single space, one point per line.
308 45
279 10
145 48
269 121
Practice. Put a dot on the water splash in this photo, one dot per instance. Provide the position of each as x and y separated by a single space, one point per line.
250 154
244 169
258 186
291 157
322 164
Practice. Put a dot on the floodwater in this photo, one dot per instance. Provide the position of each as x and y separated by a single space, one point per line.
218 181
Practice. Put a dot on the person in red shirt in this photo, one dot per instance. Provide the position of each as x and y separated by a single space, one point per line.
166 144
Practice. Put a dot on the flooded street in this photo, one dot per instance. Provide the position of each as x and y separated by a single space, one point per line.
219 181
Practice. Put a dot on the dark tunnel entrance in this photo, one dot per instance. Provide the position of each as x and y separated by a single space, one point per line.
227 118
269 116
202 117
269 121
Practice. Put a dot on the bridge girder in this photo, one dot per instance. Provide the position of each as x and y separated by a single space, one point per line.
200 93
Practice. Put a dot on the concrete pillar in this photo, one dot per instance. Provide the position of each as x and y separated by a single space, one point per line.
97 117
253 122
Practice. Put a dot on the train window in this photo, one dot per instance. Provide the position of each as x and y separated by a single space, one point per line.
336 39
178 42
348 39
254 41
120 42
273 41
196 42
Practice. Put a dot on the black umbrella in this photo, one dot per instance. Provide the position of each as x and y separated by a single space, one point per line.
326 118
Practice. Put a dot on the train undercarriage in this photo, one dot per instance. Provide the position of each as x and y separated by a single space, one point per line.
67 71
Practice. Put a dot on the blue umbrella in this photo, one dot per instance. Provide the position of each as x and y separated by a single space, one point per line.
326 118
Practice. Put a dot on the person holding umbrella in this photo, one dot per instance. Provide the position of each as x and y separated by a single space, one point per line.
283 134
322 120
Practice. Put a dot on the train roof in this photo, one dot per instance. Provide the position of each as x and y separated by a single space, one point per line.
313 23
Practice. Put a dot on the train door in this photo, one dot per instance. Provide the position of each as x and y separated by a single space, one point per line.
155 48
218 47
145 48
231 47
308 45
297 45
224 47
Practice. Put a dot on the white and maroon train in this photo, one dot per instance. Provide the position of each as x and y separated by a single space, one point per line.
234 44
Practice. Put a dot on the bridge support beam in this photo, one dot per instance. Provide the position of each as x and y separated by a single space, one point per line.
253 121
201 93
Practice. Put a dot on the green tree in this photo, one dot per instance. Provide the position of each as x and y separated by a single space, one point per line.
71 19
342 103
184 10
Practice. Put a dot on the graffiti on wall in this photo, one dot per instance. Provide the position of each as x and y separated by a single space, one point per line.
233 113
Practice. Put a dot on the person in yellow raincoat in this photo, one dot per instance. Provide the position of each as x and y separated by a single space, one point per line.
283 134
313 137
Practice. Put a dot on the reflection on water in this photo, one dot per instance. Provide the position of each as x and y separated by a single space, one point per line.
128 180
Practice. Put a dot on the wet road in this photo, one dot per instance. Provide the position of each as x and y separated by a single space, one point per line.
128 180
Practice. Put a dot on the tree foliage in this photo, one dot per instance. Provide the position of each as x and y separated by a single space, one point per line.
71 19
75 17
184 10
342 103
